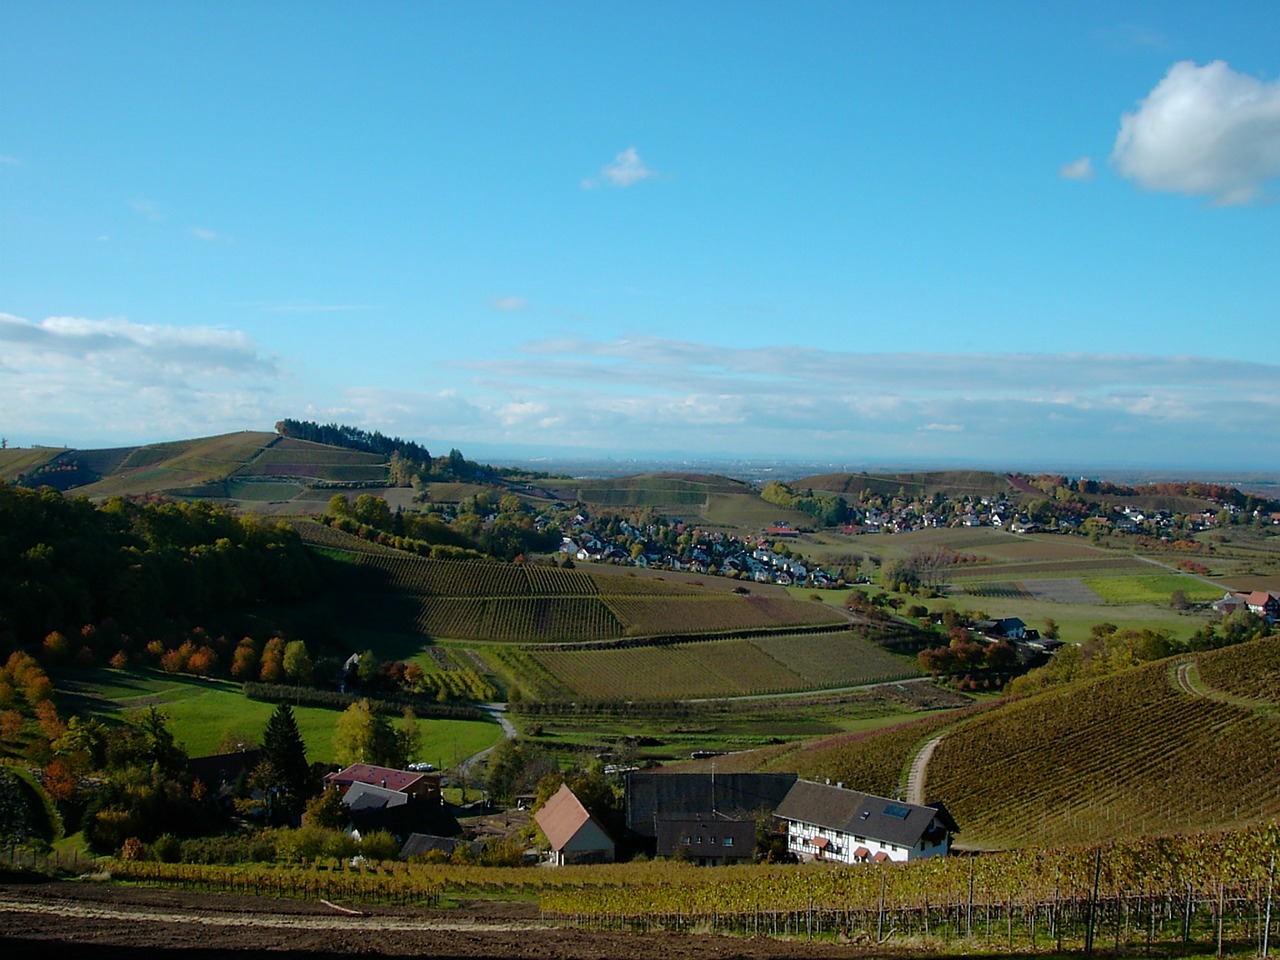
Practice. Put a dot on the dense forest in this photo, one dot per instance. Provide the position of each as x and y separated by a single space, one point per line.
96 572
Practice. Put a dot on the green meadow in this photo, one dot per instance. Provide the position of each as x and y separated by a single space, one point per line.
205 712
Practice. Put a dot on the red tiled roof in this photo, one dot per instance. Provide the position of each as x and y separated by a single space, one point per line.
862 853
387 777
880 857
820 842
562 817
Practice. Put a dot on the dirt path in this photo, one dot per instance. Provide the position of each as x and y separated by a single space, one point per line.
917 775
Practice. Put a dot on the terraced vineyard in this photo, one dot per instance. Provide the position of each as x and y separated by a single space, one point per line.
1127 755
529 603
289 457
646 615
774 664
874 761
519 619
1250 671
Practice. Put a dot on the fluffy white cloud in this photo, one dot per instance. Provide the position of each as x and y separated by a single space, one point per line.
1081 169
1203 131
626 170
77 379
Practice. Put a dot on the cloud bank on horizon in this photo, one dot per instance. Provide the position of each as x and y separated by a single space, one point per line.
846 233
665 397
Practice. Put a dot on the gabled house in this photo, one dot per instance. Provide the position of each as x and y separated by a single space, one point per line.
831 823
707 841
575 836
1005 628
1265 603
372 808
414 784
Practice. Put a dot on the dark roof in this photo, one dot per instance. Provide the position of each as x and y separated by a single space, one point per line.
419 844
373 808
363 796
861 814
651 797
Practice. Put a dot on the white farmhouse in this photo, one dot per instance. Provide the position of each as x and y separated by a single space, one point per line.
844 826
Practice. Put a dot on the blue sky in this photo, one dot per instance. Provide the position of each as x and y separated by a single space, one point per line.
1032 235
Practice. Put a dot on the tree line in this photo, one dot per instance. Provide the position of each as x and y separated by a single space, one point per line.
129 565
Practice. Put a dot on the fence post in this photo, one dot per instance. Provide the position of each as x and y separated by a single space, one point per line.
1093 904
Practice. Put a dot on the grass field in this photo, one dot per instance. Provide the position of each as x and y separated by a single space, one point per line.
203 712
1154 589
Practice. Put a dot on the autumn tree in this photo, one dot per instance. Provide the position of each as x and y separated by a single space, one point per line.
364 736
297 663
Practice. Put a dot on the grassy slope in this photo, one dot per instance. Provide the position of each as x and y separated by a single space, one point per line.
16 460
184 463
203 711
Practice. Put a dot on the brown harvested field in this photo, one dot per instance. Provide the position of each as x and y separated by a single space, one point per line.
1057 548
113 922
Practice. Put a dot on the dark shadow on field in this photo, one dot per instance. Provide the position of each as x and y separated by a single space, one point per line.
79 691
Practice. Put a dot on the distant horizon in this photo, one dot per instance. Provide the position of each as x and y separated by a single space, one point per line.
586 464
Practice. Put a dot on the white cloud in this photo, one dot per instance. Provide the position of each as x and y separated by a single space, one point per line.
9 161
73 377
147 208
1081 169
627 169
208 236
509 303
1203 131
640 394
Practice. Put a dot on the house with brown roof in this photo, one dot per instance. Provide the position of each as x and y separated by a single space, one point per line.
415 785
1265 603
825 822
575 836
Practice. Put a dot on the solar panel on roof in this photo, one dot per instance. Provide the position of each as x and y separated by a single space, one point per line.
897 811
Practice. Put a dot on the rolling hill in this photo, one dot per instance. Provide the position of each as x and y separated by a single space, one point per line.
1169 747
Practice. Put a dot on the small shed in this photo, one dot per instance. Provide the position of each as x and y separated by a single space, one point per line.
575 836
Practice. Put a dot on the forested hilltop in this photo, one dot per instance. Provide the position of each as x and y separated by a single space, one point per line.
103 574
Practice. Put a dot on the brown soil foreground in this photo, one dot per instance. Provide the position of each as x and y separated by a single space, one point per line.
66 919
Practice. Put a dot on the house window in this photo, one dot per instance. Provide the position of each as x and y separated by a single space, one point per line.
685 840
699 839
728 841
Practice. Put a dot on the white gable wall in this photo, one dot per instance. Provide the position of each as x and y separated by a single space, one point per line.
589 843
841 847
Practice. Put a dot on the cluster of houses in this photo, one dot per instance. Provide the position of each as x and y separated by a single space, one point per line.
1264 603
708 819
751 558
712 820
